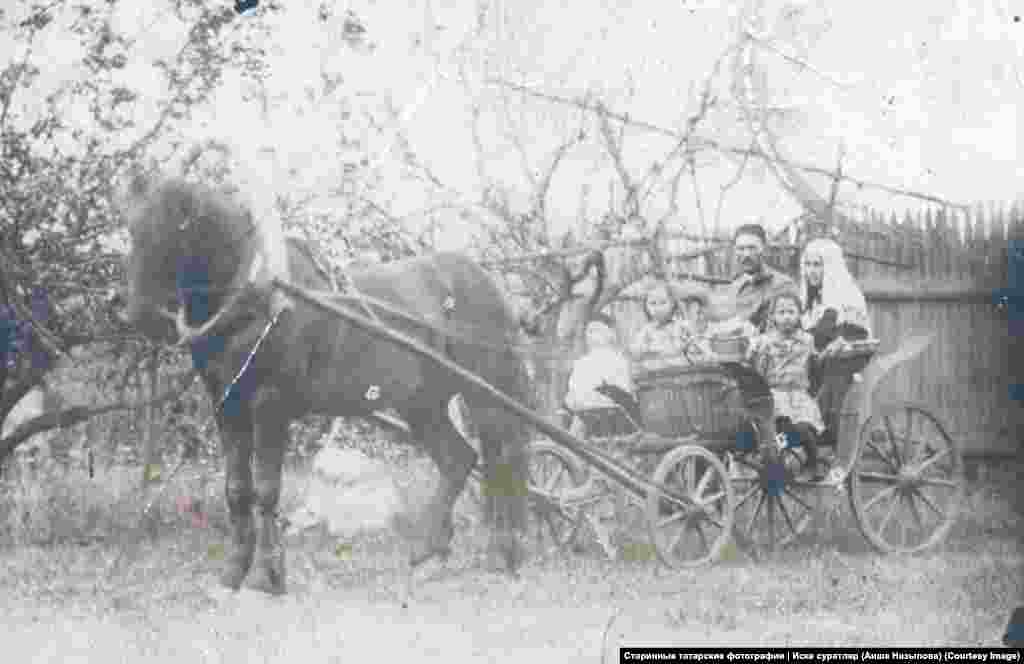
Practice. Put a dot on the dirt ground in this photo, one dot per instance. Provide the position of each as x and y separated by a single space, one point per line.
157 600
560 610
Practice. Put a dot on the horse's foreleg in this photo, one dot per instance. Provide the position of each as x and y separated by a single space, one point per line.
455 459
236 442
271 437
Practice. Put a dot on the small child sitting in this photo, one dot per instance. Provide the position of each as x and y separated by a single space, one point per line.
662 336
783 355
603 363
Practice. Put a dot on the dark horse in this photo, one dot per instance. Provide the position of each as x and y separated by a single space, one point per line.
195 247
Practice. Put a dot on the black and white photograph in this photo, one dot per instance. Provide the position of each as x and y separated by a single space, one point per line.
494 330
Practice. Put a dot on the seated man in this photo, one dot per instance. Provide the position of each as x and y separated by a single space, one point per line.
756 286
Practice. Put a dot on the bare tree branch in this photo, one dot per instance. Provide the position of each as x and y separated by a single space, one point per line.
703 143
692 167
544 185
36 23
788 177
793 59
70 416
707 102
735 180
834 193
673 194
613 145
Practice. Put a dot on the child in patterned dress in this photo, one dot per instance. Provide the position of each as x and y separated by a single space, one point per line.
783 355
662 336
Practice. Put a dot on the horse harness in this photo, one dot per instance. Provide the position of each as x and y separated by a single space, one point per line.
226 310
347 283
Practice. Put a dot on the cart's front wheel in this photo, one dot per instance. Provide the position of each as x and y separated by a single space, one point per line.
907 484
692 531
553 473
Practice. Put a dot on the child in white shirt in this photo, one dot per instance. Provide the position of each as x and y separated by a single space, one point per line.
604 362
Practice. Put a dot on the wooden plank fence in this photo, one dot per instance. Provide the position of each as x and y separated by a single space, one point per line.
953 266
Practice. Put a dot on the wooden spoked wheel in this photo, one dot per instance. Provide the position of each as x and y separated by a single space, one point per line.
773 506
692 534
907 483
554 473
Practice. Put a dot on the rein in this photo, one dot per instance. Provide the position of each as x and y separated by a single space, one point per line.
346 290
368 303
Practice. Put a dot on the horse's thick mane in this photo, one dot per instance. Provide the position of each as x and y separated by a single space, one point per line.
212 217
177 200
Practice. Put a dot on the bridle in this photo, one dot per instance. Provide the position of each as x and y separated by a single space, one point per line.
250 263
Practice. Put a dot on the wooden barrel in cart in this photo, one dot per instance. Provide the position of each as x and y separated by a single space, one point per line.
680 400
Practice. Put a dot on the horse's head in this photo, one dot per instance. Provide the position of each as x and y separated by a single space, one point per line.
188 243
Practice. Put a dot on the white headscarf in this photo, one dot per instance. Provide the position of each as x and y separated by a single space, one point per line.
839 291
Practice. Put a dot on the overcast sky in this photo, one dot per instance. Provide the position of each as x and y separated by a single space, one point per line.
924 93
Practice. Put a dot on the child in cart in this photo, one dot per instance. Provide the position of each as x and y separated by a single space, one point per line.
662 337
783 355
603 364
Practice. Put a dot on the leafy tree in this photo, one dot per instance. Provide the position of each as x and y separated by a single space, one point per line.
64 143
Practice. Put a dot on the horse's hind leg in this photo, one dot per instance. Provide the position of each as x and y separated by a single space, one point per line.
271 437
455 459
503 446
236 443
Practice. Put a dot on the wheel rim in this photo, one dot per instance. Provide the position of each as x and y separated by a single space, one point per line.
773 507
907 484
694 534
553 473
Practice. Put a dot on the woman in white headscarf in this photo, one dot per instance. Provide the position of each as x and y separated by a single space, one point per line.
834 306
834 312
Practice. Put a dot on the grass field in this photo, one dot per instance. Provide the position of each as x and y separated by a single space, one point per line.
81 581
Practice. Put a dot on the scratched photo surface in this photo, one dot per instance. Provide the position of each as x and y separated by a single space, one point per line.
478 330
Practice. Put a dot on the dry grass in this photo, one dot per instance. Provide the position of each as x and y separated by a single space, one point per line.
64 597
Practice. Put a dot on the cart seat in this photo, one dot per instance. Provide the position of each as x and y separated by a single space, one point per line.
837 372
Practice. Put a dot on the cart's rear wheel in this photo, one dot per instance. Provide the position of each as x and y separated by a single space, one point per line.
773 507
907 483
694 534
553 473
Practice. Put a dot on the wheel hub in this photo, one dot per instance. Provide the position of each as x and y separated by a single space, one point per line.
773 477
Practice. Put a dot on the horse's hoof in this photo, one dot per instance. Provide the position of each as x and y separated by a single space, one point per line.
496 562
267 582
421 555
268 576
232 576
505 554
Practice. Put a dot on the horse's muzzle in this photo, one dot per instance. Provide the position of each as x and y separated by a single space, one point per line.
156 322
